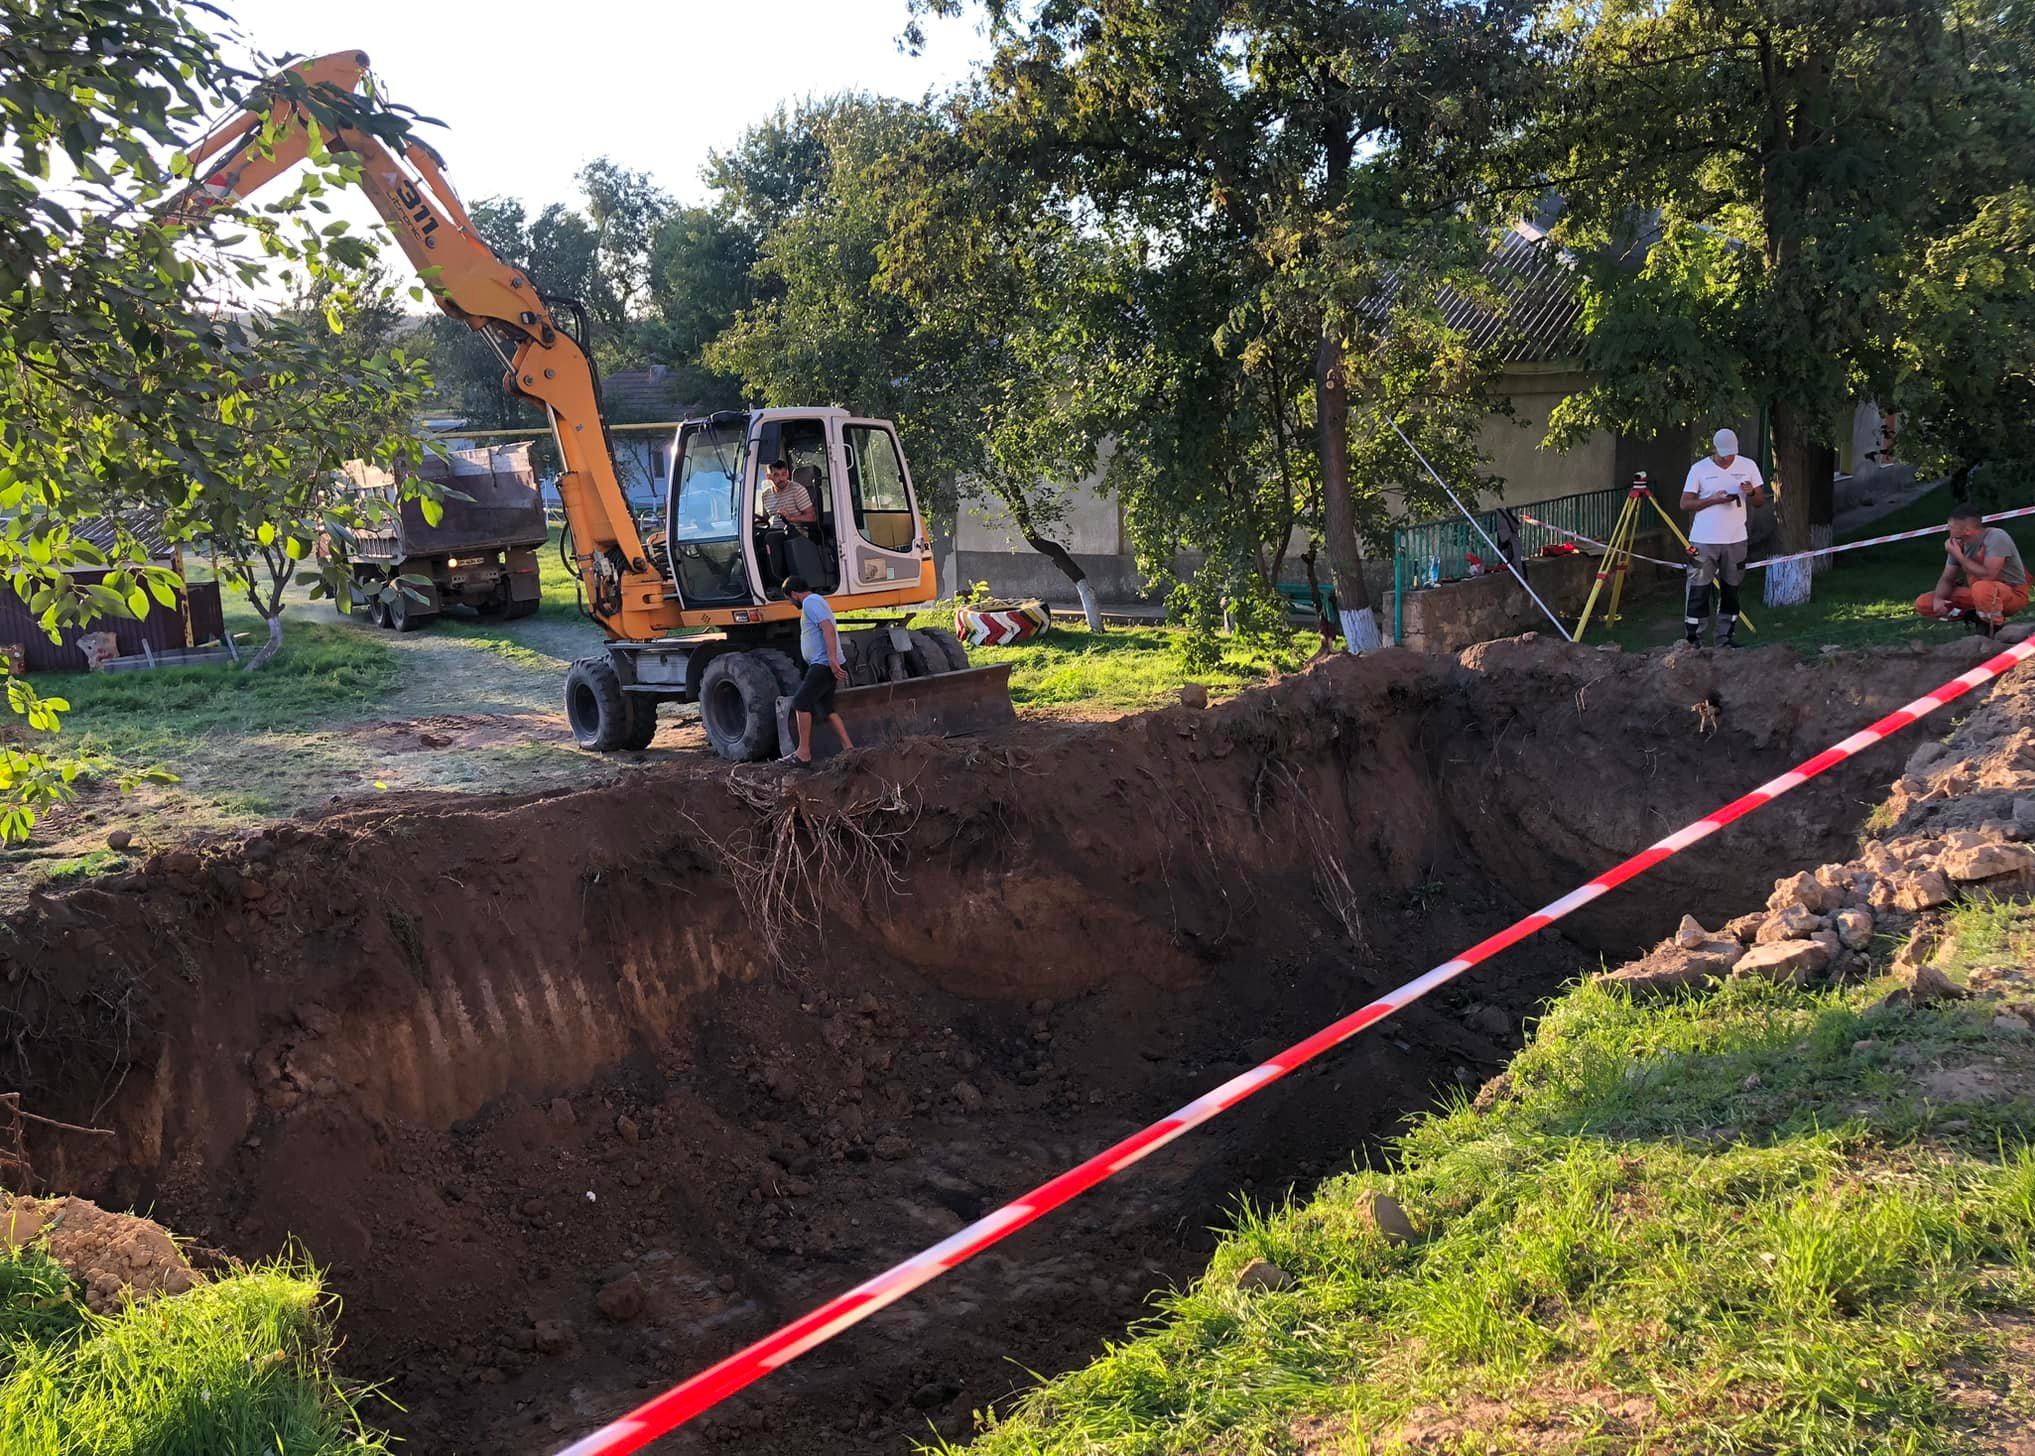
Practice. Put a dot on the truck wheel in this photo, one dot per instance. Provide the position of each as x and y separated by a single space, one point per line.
738 706
377 609
602 716
403 614
522 609
935 651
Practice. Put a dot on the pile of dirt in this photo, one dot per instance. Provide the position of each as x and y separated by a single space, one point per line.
577 1092
115 1256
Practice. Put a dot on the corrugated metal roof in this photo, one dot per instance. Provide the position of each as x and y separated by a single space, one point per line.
1528 312
103 532
1536 313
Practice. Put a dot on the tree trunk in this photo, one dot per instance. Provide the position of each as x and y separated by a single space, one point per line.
1021 512
1788 585
269 648
1339 520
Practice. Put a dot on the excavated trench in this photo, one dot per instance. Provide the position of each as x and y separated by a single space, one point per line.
574 1094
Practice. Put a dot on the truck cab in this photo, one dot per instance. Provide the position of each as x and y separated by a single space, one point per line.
870 540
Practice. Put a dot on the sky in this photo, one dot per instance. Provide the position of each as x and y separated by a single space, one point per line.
529 93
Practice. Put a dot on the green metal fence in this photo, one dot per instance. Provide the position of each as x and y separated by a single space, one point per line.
1428 553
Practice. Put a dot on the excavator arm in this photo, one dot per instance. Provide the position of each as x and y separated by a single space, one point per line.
406 184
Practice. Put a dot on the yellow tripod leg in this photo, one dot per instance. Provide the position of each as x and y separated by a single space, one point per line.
1590 603
1623 568
1662 511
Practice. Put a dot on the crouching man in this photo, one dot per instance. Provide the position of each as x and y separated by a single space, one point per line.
1983 580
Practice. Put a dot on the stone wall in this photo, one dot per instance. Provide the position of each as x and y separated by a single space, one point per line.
1457 614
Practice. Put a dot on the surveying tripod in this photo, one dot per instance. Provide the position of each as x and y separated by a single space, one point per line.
1617 558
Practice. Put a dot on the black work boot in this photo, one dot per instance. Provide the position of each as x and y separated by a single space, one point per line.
1727 629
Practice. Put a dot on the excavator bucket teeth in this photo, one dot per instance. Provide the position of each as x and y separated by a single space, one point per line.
971 701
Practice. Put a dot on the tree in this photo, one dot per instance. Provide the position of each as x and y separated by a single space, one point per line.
1278 169
1967 358
120 359
323 386
1775 168
699 282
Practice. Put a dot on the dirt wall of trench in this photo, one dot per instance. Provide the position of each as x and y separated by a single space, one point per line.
359 1029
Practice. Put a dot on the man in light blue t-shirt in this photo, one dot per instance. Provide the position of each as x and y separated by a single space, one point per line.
819 643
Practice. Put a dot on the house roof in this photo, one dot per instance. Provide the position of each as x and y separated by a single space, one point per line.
103 532
1538 310
651 393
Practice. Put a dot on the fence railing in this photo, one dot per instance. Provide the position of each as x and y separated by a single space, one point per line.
1427 553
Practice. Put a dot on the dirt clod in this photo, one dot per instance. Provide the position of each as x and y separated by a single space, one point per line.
115 1256
119 839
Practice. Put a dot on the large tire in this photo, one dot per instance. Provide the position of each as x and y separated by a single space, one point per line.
782 666
642 721
522 609
603 717
738 707
403 614
377 609
935 651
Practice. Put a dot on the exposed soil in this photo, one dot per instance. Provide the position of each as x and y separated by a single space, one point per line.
577 1092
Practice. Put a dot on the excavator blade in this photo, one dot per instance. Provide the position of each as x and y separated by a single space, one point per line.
971 701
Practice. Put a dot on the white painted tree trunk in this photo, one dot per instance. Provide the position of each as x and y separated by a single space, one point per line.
269 648
1788 584
1360 631
1089 606
1819 537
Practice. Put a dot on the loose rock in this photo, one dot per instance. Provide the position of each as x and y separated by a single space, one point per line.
1791 922
1804 890
621 1301
1690 934
1795 961
1925 891
1984 861
119 839
1854 928
892 1148
1389 1217
1263 1275
1193 695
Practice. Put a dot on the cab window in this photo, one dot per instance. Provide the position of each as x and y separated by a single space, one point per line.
883 508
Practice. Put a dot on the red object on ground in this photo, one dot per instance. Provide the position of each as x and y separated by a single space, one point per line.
716 1383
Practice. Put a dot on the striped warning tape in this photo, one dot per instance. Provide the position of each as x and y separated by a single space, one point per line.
716 1383
1879 540
1601 546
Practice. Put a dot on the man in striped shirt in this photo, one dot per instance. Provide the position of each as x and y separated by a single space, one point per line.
786 502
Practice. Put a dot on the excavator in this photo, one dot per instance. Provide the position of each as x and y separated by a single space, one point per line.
694 611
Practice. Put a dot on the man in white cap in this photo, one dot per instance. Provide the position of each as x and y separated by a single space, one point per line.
1719 489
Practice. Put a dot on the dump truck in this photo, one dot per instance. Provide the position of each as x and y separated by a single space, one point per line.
693 612
480 552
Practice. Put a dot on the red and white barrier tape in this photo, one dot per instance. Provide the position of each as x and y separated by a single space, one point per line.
1879 540
716 1383
1773 560
1601 546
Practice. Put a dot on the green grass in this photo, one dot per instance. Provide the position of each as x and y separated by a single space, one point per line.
1867 597
1735 1224
237 1367
98 862
325 671
1123 669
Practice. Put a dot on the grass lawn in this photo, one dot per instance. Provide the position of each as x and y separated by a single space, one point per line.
239 1365
1762 1221
1865 598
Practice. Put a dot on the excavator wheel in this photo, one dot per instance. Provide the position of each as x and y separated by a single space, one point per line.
783 666
603 717
738 706
642 721
935 651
